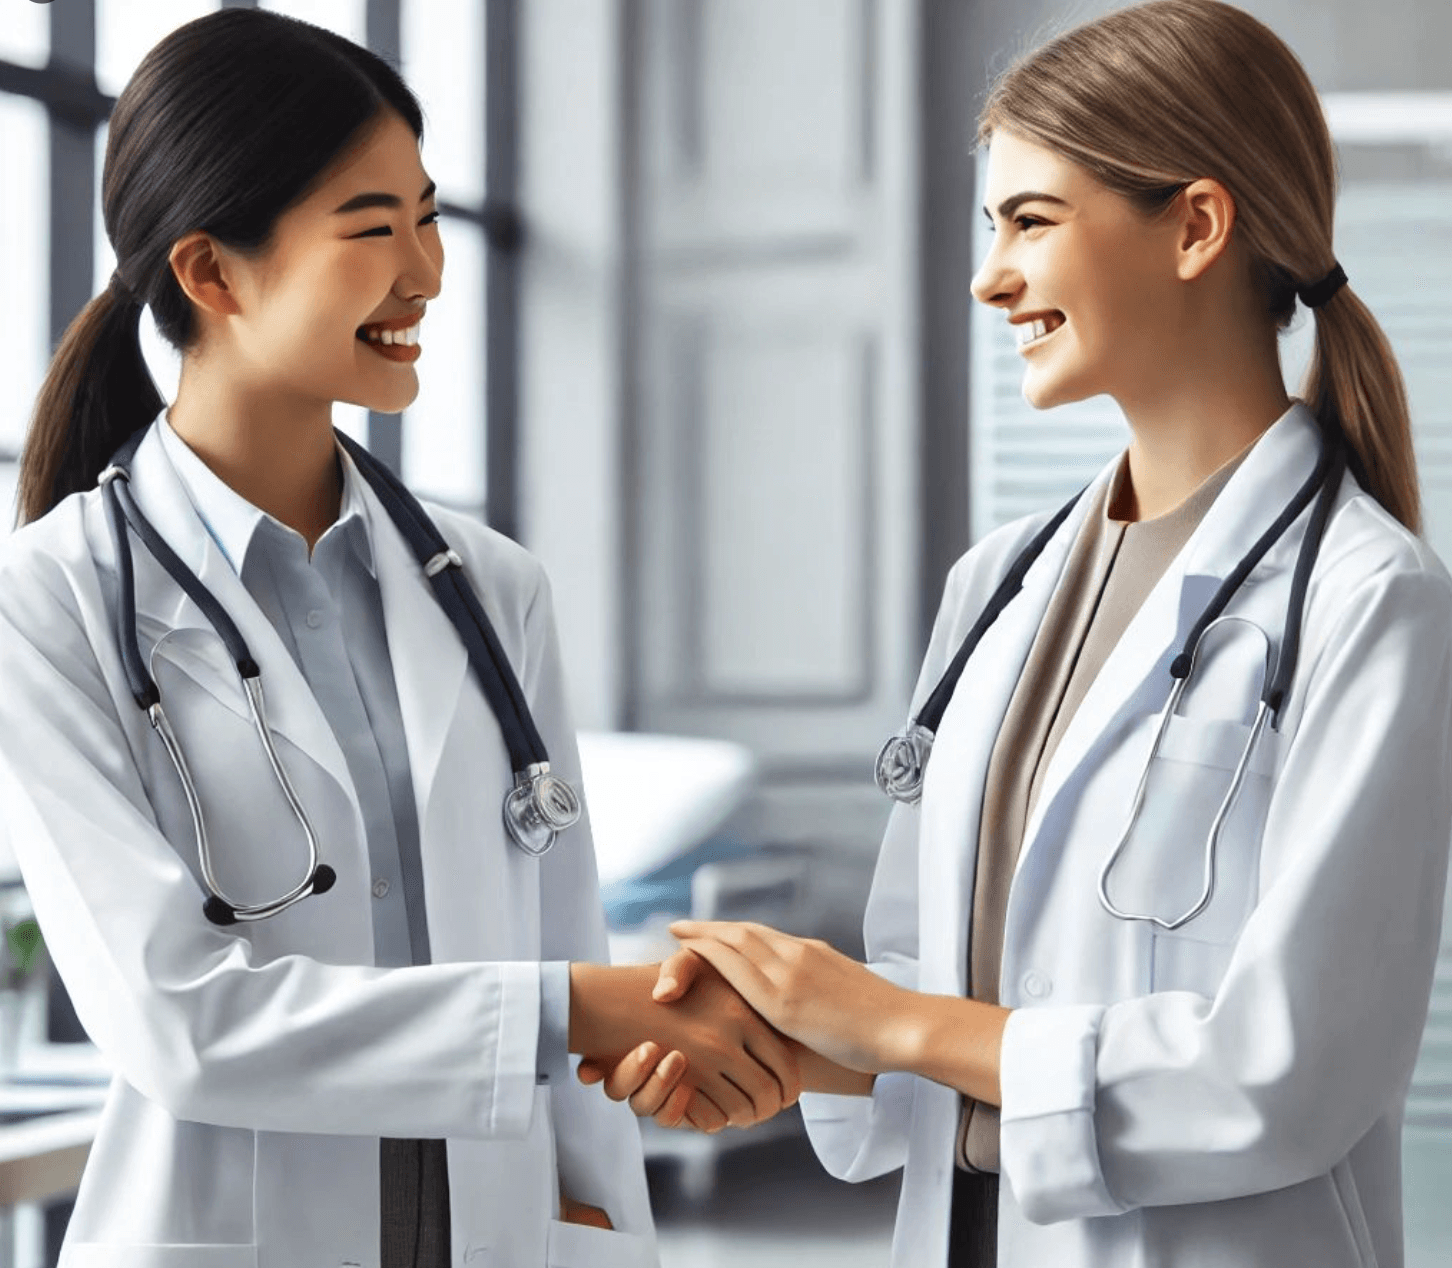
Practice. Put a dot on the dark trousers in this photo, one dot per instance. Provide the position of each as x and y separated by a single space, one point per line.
414 1193
973 1233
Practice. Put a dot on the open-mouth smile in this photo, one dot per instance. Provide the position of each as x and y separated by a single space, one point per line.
1032 332
395 340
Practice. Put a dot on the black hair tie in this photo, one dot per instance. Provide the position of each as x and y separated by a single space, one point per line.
119 290
1314 294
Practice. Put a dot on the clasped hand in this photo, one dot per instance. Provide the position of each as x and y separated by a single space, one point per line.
834 1015
709 1059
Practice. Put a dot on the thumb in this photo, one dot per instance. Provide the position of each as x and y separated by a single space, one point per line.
677 975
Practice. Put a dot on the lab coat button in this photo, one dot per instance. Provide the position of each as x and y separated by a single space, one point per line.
315 619
381 888
1036 985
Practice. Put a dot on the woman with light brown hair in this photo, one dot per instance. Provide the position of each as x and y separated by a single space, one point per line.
1152 936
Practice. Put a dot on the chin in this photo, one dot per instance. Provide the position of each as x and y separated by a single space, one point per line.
1047 391
393 401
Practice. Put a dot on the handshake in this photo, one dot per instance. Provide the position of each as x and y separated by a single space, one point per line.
730 1030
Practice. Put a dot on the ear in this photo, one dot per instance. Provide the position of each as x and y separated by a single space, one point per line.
201 270
1207 216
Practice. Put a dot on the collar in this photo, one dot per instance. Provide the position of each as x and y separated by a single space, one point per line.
1257 491
233 522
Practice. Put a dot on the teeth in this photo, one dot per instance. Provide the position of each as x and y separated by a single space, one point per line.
1030 331
407 336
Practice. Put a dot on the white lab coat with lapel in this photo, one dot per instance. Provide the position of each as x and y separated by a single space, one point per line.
1231 1093
257 1065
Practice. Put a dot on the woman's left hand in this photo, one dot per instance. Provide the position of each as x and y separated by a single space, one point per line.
808 990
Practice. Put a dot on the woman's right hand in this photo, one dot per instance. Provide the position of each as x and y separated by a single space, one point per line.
722 1063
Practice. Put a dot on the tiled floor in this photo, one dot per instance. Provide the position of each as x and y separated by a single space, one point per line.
772 1206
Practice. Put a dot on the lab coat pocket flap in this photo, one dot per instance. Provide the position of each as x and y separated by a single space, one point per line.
580 1246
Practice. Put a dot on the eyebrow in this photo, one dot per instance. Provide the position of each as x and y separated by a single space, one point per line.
1010 205
361 202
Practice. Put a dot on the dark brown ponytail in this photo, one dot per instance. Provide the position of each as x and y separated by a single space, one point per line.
98 391
227 123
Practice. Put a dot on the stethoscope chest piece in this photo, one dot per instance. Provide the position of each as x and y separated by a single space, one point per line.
538 808
903 763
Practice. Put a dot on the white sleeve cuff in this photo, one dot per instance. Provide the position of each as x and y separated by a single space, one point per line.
858 1137
516 1034
1048 1150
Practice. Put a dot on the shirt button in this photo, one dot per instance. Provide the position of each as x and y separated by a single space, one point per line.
1036 985
381 888
315 619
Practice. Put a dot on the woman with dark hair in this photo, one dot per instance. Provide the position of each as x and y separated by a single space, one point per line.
1151 946
337 984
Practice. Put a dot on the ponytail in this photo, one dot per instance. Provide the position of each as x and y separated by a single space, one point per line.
1354 384
96 393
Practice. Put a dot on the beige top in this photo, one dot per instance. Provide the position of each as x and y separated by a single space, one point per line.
1111 568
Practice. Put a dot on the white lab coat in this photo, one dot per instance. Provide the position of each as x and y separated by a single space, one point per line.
258 1065
1231 1093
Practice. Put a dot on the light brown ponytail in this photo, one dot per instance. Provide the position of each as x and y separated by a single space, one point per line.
1155 96
1354 381
96 393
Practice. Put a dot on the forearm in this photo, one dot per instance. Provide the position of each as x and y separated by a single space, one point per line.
957 1042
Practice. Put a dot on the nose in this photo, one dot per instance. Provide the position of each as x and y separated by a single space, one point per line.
421 274
996 282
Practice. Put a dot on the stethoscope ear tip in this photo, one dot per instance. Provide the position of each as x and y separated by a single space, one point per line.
324 879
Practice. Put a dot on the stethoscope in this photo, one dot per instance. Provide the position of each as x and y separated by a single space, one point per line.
903 760
537 808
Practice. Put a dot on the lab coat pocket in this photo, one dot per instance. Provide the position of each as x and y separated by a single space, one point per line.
112 1255
1162 869
580 1246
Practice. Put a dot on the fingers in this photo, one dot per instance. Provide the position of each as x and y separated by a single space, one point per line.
673 1112
704 1114
653 1094
744 976
572 1212
732 932
777 1057
629 1074
726 1091
677 975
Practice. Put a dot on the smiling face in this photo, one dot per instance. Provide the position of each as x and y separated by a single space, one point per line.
330 310
1088 282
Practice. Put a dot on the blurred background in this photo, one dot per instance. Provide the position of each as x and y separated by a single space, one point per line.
705 346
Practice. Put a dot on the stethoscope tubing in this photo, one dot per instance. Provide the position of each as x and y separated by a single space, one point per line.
122 514
902 763
491 666
535 810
